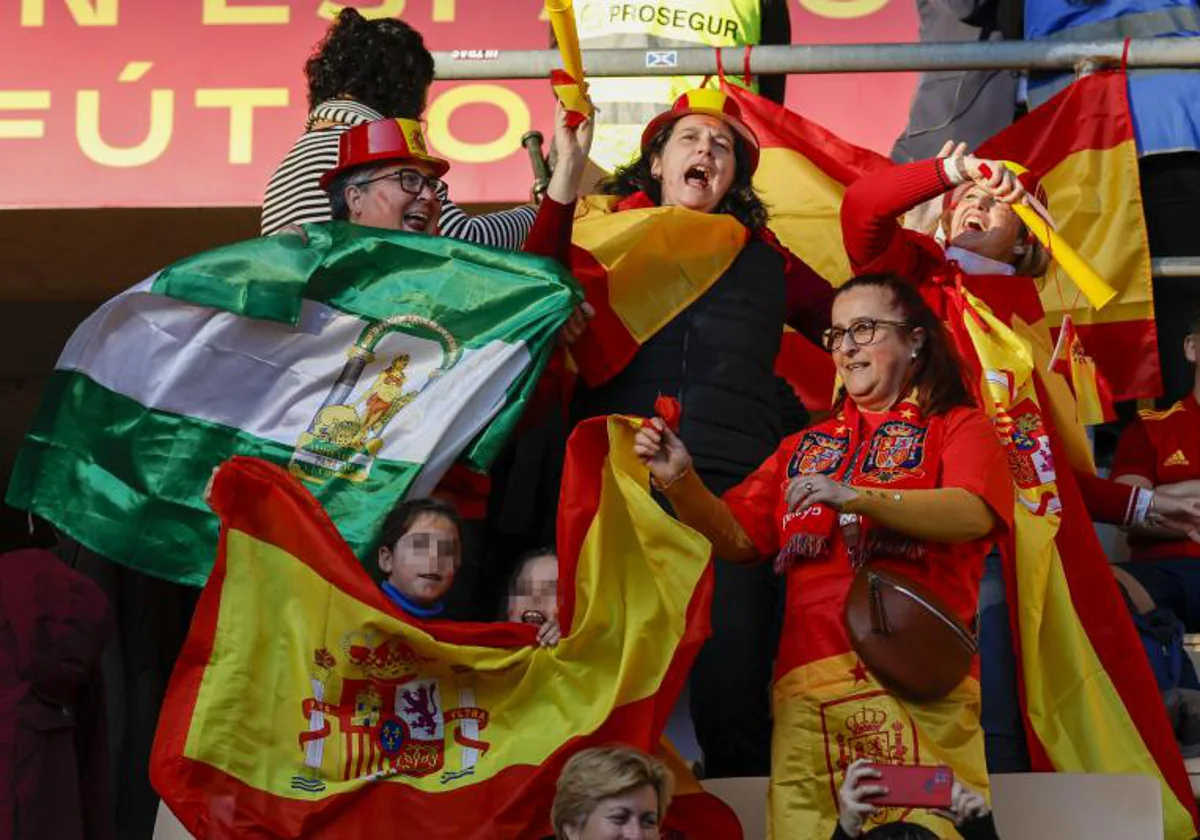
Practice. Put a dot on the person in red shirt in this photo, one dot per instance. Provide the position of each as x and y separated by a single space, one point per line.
989 253
1160 452
906 476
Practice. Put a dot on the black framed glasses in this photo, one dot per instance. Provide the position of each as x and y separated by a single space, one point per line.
411 181
862 332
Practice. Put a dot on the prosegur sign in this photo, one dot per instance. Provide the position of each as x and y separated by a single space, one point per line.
144 103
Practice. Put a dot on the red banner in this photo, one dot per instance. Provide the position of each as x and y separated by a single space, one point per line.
144 103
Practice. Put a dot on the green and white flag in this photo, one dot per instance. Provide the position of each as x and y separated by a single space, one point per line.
366 362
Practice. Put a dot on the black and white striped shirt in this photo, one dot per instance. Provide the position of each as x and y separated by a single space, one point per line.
294 195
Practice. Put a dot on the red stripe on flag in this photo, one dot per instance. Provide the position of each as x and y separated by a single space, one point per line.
1127 353
807 369
703 816
267 503
579 495
1105 618
777 127
606 346
1093 113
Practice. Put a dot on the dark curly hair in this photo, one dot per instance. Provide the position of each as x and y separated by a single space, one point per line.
381 63
741 202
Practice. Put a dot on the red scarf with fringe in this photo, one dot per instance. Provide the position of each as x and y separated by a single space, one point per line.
900 454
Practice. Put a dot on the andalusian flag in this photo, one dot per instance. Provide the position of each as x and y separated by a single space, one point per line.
1090 701
1080 144
305 705
364 362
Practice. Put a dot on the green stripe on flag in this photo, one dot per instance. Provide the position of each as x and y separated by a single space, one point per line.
127 481
357 269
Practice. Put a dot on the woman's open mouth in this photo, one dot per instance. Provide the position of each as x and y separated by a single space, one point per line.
416 219
697 176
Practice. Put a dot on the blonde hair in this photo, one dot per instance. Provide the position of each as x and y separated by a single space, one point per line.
599 773
1033 260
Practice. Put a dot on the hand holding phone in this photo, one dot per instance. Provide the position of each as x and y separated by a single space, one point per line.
913 786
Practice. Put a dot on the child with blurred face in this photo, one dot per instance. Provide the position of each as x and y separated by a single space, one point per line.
420 552
533 595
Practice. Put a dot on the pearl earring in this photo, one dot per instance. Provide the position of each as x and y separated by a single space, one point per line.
916 352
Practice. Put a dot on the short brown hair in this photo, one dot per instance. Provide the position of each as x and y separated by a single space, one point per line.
602 772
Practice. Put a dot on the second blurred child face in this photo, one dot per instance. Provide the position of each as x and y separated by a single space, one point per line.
533 598
423 562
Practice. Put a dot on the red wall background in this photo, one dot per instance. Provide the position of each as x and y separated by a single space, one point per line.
80 80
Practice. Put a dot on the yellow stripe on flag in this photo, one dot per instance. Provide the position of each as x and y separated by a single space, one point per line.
830 712
804 203
659 259
1094 200
1072 704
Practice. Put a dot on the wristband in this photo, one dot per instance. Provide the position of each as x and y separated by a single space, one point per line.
1142 504
956 170
662 488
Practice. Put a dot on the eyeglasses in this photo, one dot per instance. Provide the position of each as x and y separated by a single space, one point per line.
861 332
411 181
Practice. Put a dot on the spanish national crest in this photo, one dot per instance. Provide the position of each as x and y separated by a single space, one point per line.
819 452
868 724
347 432
382 710
897 451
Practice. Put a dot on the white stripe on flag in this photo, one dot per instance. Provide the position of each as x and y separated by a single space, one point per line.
270 379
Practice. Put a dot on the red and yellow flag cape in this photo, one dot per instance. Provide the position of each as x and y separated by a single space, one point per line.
305 704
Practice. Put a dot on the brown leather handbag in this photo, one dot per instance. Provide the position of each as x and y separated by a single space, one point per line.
911 641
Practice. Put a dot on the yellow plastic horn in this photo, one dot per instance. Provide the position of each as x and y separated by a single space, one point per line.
1098 292
562 19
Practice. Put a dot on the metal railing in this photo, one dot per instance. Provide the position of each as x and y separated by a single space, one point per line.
1176 267
841 58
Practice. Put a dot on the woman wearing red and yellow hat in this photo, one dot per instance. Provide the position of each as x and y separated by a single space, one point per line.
691 294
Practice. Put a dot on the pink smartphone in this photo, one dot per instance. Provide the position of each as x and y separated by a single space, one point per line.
913 786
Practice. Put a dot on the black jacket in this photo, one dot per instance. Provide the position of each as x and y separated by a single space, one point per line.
717 358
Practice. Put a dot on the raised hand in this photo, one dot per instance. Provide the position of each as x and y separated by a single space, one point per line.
571 147
576 323
549 634
661 451
965 806
994 178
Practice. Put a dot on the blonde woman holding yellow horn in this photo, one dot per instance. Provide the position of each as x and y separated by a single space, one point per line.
982 282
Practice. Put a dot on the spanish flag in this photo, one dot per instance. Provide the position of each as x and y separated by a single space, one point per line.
618 244
616 247
802 174
1090 701
1080 144
305 705
1093 396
